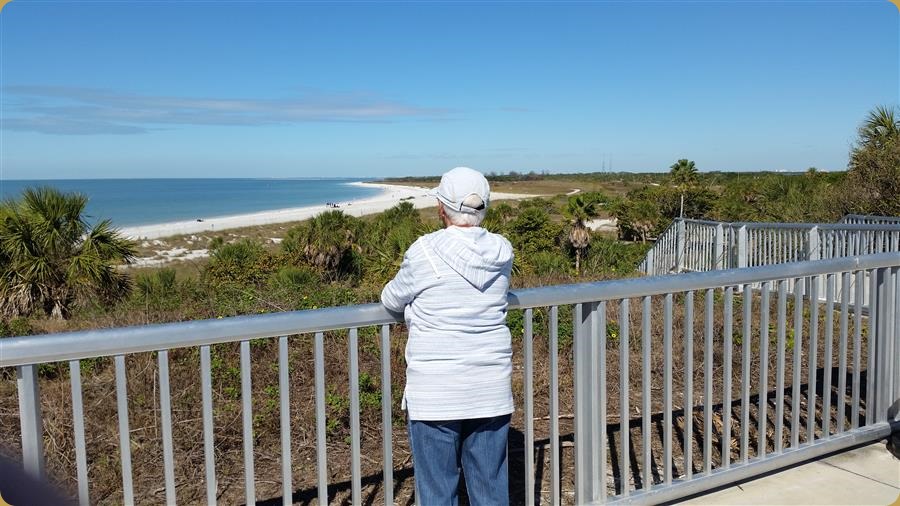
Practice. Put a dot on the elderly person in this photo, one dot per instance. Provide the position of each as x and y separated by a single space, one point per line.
452 289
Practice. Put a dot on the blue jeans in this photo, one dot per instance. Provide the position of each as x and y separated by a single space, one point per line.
476 446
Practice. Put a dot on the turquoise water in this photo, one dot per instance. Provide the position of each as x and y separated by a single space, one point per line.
130 202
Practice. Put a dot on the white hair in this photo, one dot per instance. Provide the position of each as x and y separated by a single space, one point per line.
462 219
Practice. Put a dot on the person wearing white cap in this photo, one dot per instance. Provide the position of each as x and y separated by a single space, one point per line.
452 288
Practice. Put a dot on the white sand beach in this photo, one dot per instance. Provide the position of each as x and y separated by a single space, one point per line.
390 196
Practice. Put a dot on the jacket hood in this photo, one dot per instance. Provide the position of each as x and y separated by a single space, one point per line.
474 253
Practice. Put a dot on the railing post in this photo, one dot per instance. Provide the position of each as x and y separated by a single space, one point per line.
878 300
30 420
586 479
719 251
889 329
812 251
886 401
650 265
680 238
895 318
741 254
742 246
812 243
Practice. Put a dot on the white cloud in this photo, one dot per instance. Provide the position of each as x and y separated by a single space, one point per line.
87 111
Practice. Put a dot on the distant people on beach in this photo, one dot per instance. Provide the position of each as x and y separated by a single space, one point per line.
332 204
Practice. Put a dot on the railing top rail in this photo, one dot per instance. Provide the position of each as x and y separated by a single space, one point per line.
800 226
106 342
820 226
658 285
860 226
870 217
702 222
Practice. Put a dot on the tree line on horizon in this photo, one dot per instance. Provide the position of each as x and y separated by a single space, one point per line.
56 265
871 185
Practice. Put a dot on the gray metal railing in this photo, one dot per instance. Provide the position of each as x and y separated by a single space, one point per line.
662 456
866 219
702 245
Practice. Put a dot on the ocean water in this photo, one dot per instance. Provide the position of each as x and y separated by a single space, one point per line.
130 202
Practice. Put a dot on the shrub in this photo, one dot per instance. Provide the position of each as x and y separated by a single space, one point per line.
294 278
873 178
16 327
52 259
244 263
327 242
533 231
387 238
157 284
639 215
610 257
778 197
498 217
550 263
539 203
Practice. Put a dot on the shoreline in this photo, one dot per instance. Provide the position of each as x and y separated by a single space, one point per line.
389 196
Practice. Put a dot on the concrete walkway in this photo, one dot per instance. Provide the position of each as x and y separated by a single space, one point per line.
866 475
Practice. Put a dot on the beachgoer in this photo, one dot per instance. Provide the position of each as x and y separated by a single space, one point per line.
452 288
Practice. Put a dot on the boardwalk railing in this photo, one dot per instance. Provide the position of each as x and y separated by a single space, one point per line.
865 219
777 378
702 245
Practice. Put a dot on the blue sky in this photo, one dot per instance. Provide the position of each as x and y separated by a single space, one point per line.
299 89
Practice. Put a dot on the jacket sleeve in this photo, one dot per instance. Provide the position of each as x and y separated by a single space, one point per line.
401 290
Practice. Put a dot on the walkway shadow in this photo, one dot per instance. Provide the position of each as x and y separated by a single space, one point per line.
372 483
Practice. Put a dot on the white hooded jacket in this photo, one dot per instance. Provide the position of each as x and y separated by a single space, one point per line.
452 288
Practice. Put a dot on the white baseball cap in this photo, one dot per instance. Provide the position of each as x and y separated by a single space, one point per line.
463 189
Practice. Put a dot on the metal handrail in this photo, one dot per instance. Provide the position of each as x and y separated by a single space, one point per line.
820 226
698 221
691 245
655 285
78 345
763 296
870 218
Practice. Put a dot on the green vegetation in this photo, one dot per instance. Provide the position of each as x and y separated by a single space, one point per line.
871 185
337 259
684 175
55 265
327 242
579 210
873 175
52 259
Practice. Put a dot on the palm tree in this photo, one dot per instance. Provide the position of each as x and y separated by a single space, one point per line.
326 242
684 175
578 211
881 124
52 258
387 238
872 184
498 217
645 216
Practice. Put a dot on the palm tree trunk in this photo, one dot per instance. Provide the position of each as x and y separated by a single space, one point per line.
58 312
577 262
